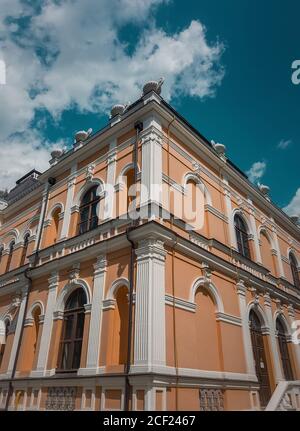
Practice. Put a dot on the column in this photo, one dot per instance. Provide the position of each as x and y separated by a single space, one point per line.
43 210
21 303
254 232
150 337
227 197
151 178
47 327
241 291
100 269
274 350
69 202
110 181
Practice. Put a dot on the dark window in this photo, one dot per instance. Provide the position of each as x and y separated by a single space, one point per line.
2 348
294 268
284 351
242 236
72 332
11 249
25 248
1 252
260 362
88 211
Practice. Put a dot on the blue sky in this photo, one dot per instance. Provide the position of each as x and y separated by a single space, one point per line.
227 66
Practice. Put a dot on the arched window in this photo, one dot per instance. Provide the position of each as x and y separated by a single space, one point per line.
55 219
25 248
88 211
242 236
11 249
259 356
294 269
120 327
284 351
129 183
1 252
36 327
2 347
72 332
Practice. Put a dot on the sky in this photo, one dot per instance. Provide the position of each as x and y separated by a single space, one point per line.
227 66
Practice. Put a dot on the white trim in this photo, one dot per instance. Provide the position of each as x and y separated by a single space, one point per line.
111 294
211 289
68 289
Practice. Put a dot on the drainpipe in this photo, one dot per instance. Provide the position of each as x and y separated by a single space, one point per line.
51 182
138 127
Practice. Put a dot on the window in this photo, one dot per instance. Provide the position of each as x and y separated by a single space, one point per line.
11 249
88 211
55 220
2 347
1 252
72 332
242 236
25 248
294 268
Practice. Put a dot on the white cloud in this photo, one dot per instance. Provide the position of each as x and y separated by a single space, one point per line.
256 171
284 144
293 208
84 63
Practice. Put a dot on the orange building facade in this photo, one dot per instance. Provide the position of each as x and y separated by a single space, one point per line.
100 310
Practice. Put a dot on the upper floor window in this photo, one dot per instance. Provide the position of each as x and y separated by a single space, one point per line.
2 347
242 236
11 249
1 252
72 332
25 249
88 211
295 273
55 220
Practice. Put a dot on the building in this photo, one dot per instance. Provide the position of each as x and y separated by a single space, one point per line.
100 310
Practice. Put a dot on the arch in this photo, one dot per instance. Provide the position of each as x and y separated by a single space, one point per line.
292 251
68 289
260 313
122 281
54 208
241 213
280 316
3 322
262 230
14 233
294 267
124 170
89 184
34 306
211 289
191 176
28 226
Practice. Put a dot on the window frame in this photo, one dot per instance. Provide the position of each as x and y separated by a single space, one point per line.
242 238
90 205
77 323
294 270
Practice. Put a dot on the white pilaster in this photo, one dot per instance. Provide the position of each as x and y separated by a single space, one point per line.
17 332
100 269
47 327
110 181
254 232
69 203
277 248
228 206
43 210
150 337
241 291
274 349
151 179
